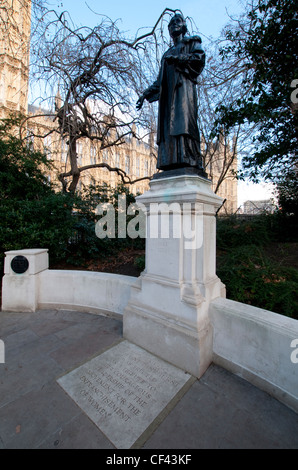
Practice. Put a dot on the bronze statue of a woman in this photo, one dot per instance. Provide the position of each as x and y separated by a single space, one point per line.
178 135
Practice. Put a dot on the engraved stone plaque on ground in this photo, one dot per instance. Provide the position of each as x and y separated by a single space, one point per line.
124 390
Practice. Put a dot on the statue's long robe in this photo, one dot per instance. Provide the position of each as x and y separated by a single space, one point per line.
178 135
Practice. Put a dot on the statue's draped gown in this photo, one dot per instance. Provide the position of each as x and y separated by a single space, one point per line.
178 135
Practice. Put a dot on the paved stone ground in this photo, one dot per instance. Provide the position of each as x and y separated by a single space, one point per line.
219 411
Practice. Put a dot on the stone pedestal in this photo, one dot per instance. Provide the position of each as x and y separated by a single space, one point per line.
168 311
21 281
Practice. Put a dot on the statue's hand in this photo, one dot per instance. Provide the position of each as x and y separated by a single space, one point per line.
140 102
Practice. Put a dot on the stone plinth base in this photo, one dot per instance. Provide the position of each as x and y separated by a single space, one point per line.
188 348
168 313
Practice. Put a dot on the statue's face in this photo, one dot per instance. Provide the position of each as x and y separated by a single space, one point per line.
176 26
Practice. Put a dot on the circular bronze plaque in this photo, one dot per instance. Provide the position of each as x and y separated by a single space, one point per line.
19 264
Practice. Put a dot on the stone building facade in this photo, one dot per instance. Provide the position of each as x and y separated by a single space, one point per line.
228 188
15 28
136 158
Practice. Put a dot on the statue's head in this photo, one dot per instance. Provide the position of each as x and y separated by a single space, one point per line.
177 25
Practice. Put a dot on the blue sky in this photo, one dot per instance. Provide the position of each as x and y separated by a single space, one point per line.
209 15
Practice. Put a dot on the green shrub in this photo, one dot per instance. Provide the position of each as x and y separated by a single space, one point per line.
284 227
140 262
253 278
287 192
236 231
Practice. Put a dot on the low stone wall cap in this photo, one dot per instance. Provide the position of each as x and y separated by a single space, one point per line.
27 252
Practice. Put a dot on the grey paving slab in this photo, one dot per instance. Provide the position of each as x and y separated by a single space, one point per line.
30 419
9 319
17 357
42 328
19 338
264 412
10 325
80 316
247 432
75 332
27 377
239 391
79 433
210 418
68 355
220 411
200 421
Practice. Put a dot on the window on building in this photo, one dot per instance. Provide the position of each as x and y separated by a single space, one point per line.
105 156
146 168
117 160
137 166
64 151
80 153
93 155
127 164
48 146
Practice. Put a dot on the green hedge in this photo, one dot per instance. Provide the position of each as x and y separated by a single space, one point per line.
247 261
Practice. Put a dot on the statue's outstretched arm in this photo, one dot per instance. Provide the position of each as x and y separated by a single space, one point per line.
151 93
